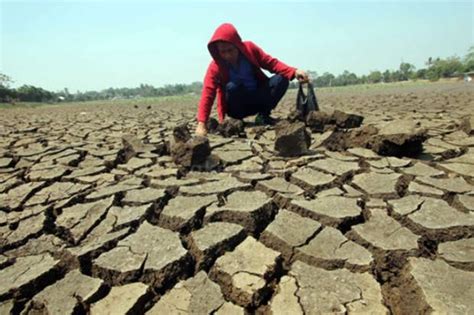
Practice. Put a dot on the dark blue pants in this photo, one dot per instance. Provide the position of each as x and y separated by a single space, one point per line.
242 102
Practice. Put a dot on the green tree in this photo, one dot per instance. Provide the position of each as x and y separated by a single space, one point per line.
432 74
346 78
6 94
419 74
387 76
469 60
444 68
396 76
406 70
374 77
326 79
29 93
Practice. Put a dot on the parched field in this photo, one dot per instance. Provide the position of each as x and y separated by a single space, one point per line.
88 226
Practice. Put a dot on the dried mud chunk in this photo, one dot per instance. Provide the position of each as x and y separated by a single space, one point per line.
317 121
122 300
55 192
278 185
16 196
337 291
24 229
346 120
198 295
335 166
285 301
64 296
435 214
376 184
78 220
225 185
249 209
292 139
26 272
212 241
399 138
243 273
330 249
311 179
381 231
128 215
157 251
133 146
184 213
231 127
287 231
330 210
459 253
187 151
453 184
446 289
134 164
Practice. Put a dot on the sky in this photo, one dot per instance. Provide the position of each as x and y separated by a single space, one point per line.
93 45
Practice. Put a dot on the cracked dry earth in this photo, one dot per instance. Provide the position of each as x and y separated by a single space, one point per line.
87 226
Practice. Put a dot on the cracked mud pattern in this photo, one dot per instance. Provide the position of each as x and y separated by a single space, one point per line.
95 217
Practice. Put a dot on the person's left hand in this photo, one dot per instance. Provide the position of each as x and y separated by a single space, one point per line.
301 76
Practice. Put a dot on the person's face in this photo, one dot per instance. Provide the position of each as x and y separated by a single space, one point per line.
228 52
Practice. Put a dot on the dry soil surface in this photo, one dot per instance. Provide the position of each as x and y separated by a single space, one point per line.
90 226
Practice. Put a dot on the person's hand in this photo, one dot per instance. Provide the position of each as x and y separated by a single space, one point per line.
201 129
301 76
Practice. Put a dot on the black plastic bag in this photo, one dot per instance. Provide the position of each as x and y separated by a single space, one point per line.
306 103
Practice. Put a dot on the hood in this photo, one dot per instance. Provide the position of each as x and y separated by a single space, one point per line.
225 32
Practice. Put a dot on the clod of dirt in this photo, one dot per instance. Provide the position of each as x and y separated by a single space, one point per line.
181 133
132 146
345 120
409 145
398 138
231 127
292 139
395 139
337 141
317 121
187 151
360 137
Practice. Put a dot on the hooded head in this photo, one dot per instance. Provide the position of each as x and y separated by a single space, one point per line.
225 44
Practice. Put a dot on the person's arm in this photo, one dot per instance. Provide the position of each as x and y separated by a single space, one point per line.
274 65
207 99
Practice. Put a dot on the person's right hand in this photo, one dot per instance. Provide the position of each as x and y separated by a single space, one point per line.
301 76
201 129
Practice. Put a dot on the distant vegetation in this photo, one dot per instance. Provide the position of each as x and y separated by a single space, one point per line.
435 69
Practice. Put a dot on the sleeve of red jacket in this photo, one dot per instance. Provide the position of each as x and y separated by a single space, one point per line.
271 64
208 93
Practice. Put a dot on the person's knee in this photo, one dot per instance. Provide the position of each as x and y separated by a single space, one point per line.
280 82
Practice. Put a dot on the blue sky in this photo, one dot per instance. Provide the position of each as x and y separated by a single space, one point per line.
92 45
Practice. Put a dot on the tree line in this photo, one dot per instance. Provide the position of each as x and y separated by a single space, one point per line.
29 93
435 69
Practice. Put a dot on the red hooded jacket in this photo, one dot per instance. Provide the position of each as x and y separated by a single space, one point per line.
217 74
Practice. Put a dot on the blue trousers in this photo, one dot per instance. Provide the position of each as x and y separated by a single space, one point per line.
242 102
